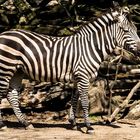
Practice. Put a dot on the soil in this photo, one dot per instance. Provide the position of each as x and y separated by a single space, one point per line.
50 129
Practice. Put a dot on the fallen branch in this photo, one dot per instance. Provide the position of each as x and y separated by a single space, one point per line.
124 104
126 121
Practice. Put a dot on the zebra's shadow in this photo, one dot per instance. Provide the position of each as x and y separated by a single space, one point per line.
17 125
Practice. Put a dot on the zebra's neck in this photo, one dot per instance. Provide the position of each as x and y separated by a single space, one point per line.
99 36
96 42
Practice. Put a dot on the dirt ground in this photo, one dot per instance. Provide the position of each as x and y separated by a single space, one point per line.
60 130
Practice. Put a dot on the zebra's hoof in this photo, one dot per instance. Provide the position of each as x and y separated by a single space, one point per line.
74 127
29 127
72 122
4 128
90 130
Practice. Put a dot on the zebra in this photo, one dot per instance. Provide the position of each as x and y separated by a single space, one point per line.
75 58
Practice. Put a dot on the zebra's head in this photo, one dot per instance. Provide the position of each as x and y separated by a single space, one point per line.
126 32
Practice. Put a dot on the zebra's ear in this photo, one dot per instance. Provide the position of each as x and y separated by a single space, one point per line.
115 4
125 10
116 11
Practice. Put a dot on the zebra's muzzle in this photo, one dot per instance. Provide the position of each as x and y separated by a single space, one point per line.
138 45
137 48
134 48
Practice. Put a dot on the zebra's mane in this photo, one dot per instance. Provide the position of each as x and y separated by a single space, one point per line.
110 21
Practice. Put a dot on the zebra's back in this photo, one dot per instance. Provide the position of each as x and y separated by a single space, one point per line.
44 58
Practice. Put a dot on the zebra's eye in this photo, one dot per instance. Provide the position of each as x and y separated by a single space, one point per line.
126 30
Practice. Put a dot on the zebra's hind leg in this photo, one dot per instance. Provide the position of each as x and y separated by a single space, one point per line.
13 99
72 115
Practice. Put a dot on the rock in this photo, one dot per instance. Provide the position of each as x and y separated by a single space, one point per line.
134 113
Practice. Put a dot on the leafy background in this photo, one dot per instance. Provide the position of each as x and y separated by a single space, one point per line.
56 17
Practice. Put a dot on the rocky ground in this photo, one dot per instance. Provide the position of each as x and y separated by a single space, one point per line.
52 128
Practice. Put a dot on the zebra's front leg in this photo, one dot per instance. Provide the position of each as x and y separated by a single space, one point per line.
83 94
73 109
13 99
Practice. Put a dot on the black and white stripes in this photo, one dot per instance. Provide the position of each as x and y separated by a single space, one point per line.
74 58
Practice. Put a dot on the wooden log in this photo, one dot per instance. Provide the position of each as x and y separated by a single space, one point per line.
124 104
134 71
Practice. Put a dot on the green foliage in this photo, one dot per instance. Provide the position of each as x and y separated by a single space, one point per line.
93 117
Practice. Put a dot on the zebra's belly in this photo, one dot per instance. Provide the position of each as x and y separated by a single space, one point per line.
55 77
64 77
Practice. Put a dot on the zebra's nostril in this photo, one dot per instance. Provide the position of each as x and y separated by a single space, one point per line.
131 47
